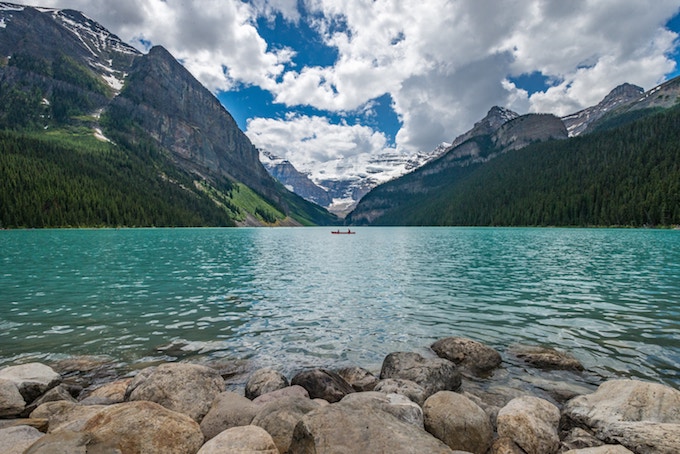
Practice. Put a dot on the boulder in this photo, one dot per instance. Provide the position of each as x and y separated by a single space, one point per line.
469 354
433 374
323 384
70 442
290 391
37 423
458 422
347 429
643 417
228 410
113 392
605 449
11 401
395 404
545 357
505 445
241 440
532 423
359 378
64 415
53 395
14 440
263 381
32 379
578 438
280 416
186 388
408 388
145 427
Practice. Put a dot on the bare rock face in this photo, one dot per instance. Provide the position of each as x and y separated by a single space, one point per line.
360 379
185 388
546 358
345 428
433 374
458 422
145 427
242 440
263 381
469 354
323 384
643 417
531 423
527 129
32 379
228 410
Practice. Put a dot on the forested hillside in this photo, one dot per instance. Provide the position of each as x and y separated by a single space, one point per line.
623 176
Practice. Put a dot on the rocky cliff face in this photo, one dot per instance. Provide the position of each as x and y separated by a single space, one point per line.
622 95
295 180
528 129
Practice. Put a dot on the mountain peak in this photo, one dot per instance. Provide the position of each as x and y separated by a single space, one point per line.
494 119
578 122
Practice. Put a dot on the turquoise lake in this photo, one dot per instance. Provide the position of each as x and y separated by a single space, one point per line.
297 297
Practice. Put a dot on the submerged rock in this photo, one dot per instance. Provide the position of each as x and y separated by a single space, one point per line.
546 358
469 354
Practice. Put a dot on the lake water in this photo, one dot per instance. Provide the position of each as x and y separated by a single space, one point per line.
297 297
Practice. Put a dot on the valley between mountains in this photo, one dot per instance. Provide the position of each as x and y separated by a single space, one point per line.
95 133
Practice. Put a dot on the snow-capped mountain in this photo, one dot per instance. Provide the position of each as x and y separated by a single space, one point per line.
578 122
344 182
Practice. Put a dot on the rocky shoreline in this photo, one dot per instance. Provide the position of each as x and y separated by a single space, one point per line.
448 401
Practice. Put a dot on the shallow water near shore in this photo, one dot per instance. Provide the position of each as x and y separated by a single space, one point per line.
301 297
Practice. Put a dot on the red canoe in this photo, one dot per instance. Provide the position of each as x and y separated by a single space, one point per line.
338 232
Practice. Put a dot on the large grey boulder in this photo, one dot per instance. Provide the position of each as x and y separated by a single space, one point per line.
408 388
359 378
280 417
531 423
145 427
458 422
643 417
323 384
546 357
113 392
342 428
32 379
14 440
433 374
11 401
53 395
396 404
228 410
480 359
241 440
186 388
263 381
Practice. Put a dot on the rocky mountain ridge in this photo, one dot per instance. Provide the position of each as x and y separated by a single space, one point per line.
77 74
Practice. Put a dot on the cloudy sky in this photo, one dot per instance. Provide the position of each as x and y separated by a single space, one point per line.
323 79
